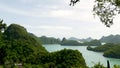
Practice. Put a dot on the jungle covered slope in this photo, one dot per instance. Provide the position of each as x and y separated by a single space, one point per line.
17 46
77 43
49 40
110 50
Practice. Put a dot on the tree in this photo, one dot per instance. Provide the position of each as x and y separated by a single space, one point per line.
106 10
2 25
19 46
65 58
72 2
64 39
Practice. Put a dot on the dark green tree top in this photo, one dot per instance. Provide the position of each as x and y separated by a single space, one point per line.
2 25
15 31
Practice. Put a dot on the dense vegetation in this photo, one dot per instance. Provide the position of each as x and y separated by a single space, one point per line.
93 43
110 50
106 10
19 48
73 42
113 52
64 59
102 48
49 40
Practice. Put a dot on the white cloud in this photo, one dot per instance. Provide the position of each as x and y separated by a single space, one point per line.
6 8
75 20
28 1
53 31
79 12
49 27
61 13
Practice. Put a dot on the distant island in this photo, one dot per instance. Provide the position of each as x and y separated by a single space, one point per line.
81 40
111 39
49 40
109 49
78 43
68 42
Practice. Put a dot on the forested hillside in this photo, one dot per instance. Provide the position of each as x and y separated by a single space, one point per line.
19 48
110 50
49 40
77 43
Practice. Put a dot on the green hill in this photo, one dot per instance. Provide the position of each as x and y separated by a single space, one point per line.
113 52
93 43
66 58
49 40
17 46
70 42
110 50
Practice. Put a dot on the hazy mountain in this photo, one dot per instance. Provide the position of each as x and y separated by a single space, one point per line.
73 38
86 40
111 39
81 40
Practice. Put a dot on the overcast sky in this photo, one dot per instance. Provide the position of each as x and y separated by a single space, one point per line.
55 18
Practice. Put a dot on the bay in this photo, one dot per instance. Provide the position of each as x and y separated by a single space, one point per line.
90 57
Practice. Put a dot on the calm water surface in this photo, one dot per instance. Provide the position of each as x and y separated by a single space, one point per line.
90 57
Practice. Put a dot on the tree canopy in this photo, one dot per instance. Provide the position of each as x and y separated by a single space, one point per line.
109 50
106 10
2 25
17 46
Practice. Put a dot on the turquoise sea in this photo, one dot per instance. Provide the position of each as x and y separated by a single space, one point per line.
90 57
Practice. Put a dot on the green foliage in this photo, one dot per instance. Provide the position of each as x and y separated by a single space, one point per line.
32 66
73 42
15 31
93 43
19 46
49 40
110 50
114 52
2 50
102 48
2 26
98 65
66 58
106 10
1 66
116 66
89 48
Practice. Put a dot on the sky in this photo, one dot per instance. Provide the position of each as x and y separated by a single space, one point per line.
55 18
